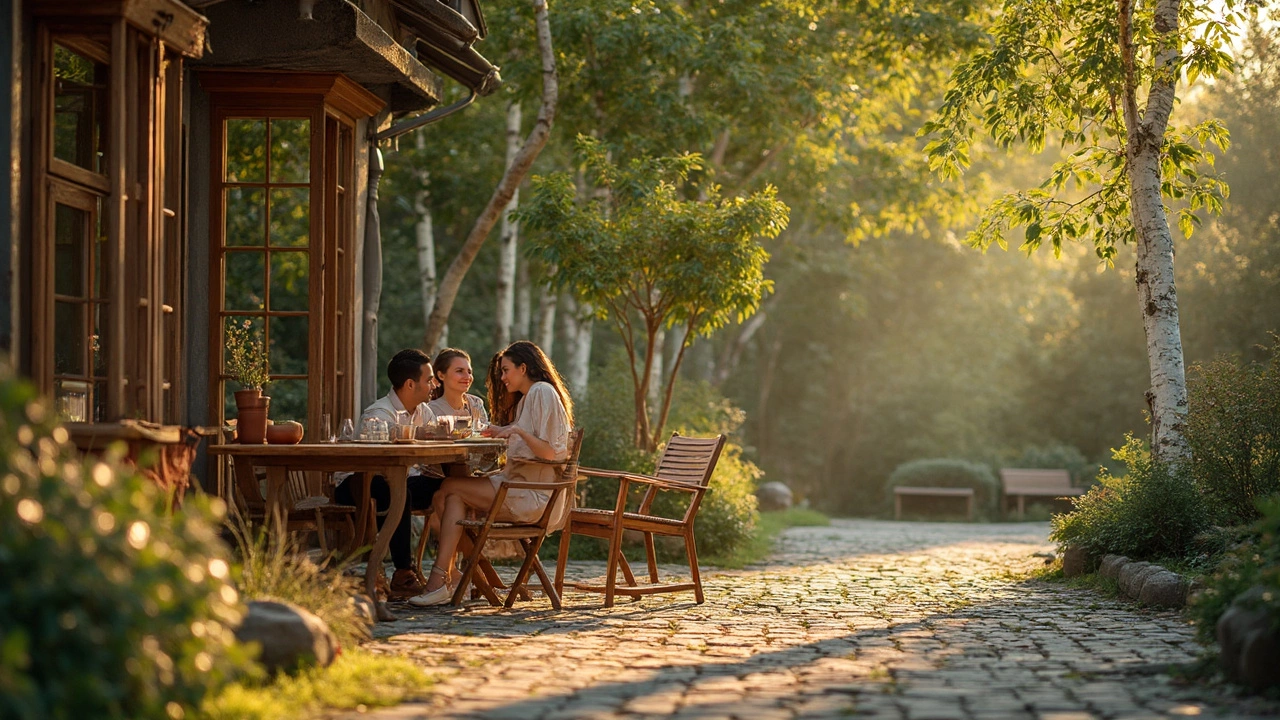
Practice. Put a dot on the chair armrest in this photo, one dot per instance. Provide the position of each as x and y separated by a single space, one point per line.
537 461
642 479
520 485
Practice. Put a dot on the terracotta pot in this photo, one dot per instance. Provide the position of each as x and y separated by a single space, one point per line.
286 433
251 397
251 423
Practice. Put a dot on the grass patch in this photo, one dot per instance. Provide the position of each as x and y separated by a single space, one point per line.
354 680
760 545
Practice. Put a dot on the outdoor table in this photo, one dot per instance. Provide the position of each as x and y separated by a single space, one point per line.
390 460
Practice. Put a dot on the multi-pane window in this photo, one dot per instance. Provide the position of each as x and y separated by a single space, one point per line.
267 211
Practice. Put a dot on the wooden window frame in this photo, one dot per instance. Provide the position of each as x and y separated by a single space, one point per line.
333 104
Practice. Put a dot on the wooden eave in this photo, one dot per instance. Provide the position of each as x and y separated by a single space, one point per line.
177 25
334 89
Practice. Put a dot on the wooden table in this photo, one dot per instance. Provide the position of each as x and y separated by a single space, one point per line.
390 460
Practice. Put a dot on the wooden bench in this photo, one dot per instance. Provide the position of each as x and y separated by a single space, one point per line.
898 492
1022 484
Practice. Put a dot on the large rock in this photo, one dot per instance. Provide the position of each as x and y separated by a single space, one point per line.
1077 561
1164 589
1133 575
774 496
1110 567
290 637
1249 642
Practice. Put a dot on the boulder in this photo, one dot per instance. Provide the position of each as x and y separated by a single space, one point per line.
774 496
1077 561
290 637
1110 566
1249 642
1164 589
1133 574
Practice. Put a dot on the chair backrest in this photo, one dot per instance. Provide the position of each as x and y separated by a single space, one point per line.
689 460
1017 480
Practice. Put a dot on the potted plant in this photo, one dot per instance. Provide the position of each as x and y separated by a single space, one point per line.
247 364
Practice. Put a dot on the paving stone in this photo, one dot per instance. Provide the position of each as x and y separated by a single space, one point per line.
861 618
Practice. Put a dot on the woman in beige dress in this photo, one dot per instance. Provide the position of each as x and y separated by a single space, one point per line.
533 411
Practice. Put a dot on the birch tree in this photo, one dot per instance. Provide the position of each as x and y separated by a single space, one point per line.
506 189
424 234
1102 78
648 259
507 248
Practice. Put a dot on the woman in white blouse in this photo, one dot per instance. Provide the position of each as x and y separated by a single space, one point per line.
533 411
453 380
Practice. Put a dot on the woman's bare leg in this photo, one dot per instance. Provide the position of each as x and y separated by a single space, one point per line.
457 495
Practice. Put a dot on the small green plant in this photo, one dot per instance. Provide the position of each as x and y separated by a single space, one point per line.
1253 563
271 566
949 473
1233 428
1147 514
246 358
110 607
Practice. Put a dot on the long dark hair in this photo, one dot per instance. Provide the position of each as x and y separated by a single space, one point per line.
502 404
441 365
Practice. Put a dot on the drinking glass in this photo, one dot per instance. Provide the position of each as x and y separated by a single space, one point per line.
326 429
348 431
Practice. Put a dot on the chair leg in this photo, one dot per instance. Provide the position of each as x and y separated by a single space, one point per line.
652 557
421 550
547 586
324 545
692 551
470 565
530 555
562 558
625 567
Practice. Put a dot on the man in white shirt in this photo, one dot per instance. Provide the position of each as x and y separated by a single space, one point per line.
411 383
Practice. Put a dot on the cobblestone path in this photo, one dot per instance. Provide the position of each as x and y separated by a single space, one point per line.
861 619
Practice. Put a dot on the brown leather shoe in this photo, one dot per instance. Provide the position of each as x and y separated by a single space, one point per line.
405 584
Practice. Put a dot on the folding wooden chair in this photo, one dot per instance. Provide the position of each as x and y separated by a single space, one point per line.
307 510
686 466
529 535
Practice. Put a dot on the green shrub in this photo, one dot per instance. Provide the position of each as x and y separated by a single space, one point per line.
1255 561
1149 513
949 473
1233 428
109 608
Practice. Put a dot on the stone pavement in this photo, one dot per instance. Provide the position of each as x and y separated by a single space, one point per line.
862 618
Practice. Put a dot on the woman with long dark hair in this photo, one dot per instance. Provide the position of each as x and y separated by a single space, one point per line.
532 410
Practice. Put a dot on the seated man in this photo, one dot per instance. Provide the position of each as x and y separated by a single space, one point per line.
411 384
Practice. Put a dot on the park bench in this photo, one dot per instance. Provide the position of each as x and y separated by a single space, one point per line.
1022 484
901 490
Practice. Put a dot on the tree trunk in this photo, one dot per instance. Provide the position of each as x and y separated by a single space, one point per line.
656 370
523 300
547 299
764 436
507 254
425 235
1157 296
506 189
579 323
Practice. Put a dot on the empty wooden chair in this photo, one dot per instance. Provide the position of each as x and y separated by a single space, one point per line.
308 509
530 535
686 466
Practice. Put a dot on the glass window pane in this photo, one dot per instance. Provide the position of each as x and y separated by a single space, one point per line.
288 400
68 338
246 273
99 402
97 341
256 325
291 151
100 275
79 109
70 231
246 151
289 344
290 217
246 217
290 275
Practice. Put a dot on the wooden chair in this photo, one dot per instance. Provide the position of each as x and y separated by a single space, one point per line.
530 535
686 466
308 510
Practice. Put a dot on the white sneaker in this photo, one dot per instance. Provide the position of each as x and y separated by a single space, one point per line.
440 596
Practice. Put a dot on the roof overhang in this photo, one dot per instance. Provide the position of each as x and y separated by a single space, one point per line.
177 25
338 38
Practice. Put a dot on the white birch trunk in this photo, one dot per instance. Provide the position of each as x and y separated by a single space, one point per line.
1157 296
580 360
523 300
547 300
656 385
507 246
425 235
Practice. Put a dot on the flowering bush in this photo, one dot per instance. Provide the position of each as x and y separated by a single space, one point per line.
246 355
